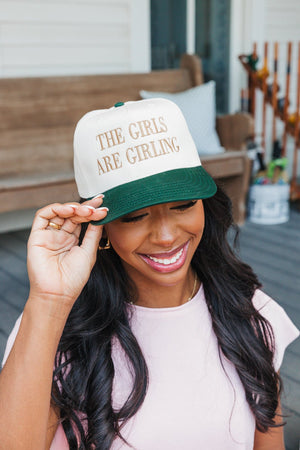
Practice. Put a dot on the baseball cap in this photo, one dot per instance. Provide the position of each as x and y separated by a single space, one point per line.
138 154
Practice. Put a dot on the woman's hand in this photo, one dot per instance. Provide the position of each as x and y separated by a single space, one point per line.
58 270
57 266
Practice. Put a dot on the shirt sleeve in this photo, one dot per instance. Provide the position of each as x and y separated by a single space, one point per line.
11 339
284 330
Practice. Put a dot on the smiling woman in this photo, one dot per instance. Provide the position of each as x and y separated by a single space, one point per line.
142 328
158 241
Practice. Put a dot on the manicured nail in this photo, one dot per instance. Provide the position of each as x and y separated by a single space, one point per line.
99 196
103 208
90 207
73 206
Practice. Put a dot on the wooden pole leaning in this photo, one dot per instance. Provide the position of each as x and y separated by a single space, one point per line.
286 99
252 84
274 92
264 89
295 194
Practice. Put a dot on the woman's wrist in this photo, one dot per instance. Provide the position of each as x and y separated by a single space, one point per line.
48 309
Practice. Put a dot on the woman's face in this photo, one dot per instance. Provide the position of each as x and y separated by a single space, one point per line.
157 243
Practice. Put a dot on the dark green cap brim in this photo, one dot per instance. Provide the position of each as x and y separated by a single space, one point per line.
174 185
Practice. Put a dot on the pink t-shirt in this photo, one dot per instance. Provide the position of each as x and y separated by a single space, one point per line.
194 400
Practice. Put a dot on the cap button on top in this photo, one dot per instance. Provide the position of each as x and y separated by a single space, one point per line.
119 104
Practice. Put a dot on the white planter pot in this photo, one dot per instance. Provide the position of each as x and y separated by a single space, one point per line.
269 204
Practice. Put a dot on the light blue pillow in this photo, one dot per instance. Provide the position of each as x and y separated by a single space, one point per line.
198 107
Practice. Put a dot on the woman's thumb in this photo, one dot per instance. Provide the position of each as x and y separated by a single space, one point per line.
91 239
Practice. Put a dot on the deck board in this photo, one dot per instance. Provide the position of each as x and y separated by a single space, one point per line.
272 250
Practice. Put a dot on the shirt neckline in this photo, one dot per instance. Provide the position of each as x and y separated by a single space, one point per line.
171 309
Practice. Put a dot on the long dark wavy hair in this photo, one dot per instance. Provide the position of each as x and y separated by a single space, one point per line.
84 369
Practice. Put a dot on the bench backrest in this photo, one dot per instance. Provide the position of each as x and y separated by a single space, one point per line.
38 115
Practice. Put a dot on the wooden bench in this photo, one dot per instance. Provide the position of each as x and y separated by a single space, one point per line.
38 117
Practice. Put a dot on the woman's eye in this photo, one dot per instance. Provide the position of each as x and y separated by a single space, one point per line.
185 205
132 218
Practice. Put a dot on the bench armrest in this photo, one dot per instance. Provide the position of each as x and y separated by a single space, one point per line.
234 129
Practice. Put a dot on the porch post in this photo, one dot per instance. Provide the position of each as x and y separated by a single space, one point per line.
191 26
140 36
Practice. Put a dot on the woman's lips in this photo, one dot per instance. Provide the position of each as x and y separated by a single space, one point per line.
167 262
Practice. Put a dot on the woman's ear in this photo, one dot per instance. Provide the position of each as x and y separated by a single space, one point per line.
104 243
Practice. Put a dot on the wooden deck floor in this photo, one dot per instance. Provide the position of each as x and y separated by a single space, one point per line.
272 251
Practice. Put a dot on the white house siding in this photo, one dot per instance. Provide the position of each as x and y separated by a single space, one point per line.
65 37
282 20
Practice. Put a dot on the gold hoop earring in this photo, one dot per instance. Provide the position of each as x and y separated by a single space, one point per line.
106 246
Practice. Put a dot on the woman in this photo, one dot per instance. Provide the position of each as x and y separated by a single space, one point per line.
159 335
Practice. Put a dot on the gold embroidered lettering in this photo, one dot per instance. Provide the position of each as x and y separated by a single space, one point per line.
117 161
100 168
163 149
139 154
164 127
133 134
131 158
110 138
108 163
146 152
169 144
145 127
155 150
99 139
119 136
176 147
155 126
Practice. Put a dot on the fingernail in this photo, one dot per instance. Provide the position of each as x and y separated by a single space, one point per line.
73 206
90 207
99 196
103 208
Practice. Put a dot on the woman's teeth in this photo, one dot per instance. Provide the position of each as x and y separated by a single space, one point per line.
166 261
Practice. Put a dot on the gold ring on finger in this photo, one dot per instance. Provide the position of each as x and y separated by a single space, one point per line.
54 225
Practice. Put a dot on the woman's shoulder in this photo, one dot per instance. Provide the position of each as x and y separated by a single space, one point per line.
267 306
283 328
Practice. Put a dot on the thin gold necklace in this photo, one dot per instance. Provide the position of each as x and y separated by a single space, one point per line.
192 294
194 289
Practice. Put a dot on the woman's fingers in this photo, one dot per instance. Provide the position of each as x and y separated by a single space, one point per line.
83 214
67 216
55 213
91 239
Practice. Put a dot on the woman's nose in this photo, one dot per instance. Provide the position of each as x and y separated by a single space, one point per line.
163 232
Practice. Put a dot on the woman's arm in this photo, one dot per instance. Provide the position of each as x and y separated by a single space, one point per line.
58 269
53 422
26 380
273 439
